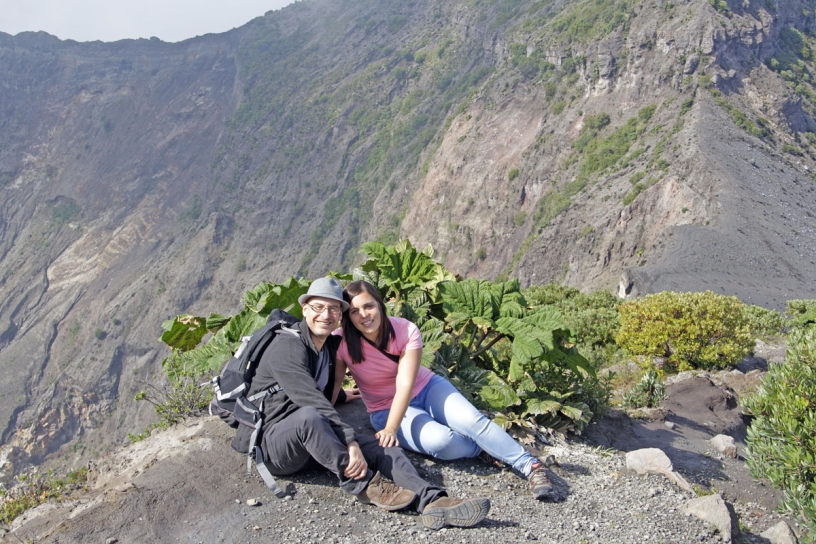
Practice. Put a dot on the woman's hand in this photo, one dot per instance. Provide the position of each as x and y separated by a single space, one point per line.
352 394
357 467
388 438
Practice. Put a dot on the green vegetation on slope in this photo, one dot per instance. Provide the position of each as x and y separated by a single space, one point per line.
782 437
38 489
591 19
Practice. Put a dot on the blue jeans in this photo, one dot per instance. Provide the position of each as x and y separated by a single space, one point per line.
440 422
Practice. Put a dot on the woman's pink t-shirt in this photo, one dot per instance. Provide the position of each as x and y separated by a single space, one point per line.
376 374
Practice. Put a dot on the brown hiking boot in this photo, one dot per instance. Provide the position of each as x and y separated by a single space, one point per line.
386 494
539 482
445 511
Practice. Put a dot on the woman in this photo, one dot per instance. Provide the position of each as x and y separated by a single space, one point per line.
407 403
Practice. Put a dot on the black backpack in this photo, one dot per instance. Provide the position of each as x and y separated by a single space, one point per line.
230 401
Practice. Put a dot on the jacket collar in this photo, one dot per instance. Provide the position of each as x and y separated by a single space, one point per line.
306 334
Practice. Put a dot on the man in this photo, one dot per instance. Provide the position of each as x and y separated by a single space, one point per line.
300 423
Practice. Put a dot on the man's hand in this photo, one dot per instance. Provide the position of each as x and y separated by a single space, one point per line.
387 438
357 467
352 394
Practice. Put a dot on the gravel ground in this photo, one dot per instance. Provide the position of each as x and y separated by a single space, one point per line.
597 500
186 485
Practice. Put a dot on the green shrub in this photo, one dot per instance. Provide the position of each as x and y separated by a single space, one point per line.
691 330
782 437
591 317
685 106
512 174
647 393
38 489
802 312
64 212
645 114
764 322
792 149
798 307
181 398
583 21
549 294
558 107
193 212
721 6
596 122
739 118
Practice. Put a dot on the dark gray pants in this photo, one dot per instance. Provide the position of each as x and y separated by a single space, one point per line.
290 445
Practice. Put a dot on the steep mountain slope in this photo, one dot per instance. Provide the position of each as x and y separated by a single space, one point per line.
667 143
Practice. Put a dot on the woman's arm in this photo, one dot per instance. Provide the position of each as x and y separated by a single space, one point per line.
406 377
351 393
339 376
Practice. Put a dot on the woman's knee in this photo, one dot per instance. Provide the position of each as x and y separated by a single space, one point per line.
444 443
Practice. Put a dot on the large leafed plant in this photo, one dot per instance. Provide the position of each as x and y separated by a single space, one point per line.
513 359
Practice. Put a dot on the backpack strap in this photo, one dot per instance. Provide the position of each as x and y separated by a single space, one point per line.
265 393
391 356
255 449
268 479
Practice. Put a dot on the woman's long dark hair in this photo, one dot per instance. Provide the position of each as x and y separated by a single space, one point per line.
353 337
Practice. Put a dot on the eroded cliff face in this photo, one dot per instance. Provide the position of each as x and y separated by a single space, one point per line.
508 150
102 157
141 179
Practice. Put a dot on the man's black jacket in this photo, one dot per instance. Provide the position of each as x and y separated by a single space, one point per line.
290 362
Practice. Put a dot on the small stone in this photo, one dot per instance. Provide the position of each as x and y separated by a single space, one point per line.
725 445
670 425
124 488
237 501
714 510
253 502
257 528
112 540
780 533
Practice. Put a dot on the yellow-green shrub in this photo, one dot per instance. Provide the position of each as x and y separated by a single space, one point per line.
764 322
691 330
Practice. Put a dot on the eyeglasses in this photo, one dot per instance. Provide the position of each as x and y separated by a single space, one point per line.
320 308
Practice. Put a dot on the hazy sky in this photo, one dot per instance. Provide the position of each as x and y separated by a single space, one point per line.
110 20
